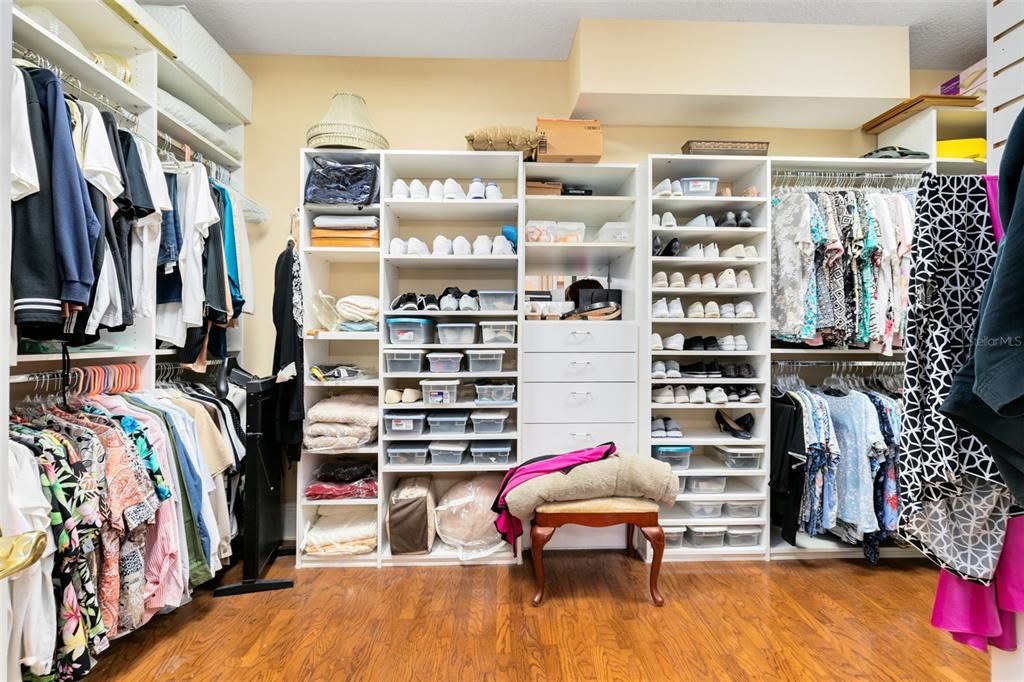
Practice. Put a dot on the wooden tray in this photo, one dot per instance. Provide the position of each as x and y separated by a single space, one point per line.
908 107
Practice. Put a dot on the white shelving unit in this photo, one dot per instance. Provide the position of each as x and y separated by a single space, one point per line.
922 131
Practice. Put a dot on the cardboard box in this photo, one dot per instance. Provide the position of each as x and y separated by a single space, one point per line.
971 81
570 140
543 187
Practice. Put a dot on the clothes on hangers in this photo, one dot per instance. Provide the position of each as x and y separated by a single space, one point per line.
288 353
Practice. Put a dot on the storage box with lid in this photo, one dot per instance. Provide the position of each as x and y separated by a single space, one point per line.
497 394
447 451
485 360
498 301
706 484
440 391
407 453
541 230
402 423
615 233
743 510
491 452
743 536
570 140
570 232
674 537
456 333
706 536
498 332
398 360
699 187
410 330
489 421
445 421
445 362
737 457
676 455
701 510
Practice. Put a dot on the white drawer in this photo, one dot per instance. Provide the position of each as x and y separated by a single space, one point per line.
600 337
551 439
550 403
579 367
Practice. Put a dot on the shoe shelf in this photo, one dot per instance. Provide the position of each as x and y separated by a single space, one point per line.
710 354
342 254
703 293
451 261
592 210
725 262
708 320
725 234
655 406
453 209
451 313
705 204
585 257
717 381
344 209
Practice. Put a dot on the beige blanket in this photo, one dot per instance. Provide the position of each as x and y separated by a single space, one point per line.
622 476
355 407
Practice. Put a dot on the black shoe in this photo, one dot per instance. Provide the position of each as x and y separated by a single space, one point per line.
746 421
728 220
711 343
730 371
694 343
713 370
407 301
697 370
745 220
429 302
746 371
733 393
656 245
727 424
672 248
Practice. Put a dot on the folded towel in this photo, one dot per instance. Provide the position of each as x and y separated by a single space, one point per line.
328 233
345 243
328 221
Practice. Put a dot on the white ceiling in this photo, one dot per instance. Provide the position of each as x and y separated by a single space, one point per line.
944 34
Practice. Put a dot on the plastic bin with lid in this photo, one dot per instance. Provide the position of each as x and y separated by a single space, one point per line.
445 362
447 451
678 456
485 360
674 537
699 187
410 330
498 332
705 536
403 423
455 333
615 233
743 537
491 452
489 421
570 232
407 453
440 391
496 394
701 510
705 484
448 422
736 457
541 230
396 360
503 301
743 510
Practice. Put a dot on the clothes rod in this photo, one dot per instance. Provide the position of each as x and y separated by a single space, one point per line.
839 363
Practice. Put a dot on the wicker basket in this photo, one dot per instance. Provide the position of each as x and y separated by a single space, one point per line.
724 148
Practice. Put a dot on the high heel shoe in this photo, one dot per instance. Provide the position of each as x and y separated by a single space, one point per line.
746 421
727 423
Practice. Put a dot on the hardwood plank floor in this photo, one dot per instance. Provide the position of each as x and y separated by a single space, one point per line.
789 620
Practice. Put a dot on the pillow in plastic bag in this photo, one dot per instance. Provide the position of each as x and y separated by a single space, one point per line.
464 520
334 183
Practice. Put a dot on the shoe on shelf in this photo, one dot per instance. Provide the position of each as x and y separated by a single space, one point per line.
450 299
694 282
711 222
501 246
675 342
453 190
746 370
741 342
493 191
745 310
727 279
461 246
429 302
694 343
469 301
418 191
698 396
728 342
676 281
727 424
399 189
658 428
482 246
392 396
442 246
711 310
700 221
406 301
734 251
711 250
708 281
659 309
694 251
696 310
746 421
411 395
732 394
655 220
728 310
397 247
677 188
711 343
675 309
750 251
656 245
717 396
668 220
744 220
656 342
730 371
682 394
749 395
743 280
713 369
672 429
672 370
417 247
662 395
696 370
658 369
662 189
436 192
728 220
477 189
660 280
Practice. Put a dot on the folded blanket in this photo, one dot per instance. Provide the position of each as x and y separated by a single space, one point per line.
355 407
342 531
345 242
344 233
339 430
358 308
338 221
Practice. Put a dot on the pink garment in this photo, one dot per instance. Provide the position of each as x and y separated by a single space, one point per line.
509 526
983 615
992 189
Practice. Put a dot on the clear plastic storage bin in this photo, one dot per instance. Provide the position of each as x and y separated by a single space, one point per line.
454 333
738 457
410 330
743 537
447 451
706 536
489 421
743 510
674 538
440 391
485 360
448 422
404 423
495 393
699 187
445 362
615 233
676 455
491 452
569 232
403 360
407 453
701 510
497 300
705 484
498 332
541 230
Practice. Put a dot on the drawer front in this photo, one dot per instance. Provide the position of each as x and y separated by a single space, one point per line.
549 439
586 403
570 337
579 367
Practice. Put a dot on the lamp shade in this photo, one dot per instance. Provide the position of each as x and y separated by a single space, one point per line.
346 124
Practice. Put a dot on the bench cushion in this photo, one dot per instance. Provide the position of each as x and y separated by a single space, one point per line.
600 505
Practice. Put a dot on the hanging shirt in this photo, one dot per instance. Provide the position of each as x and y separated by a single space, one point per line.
246 282
145 242
792 261
24 176
860 440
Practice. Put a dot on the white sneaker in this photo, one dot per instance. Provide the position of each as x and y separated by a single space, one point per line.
743 280
417 247
397 247
482 246
662 189
699 221
717 396
411 395
727 279
668 220
477 189
449 303
677 188
493 192
734 251
751 397
675 342
708 281
711 221
399 189
461 246
501 246
727 342
453 190
656 343
694 251
728 311
659 309
417 190
731 395
741 342
698 396
682 394
750 251
436 191
655 220
662 395
442 246
694 282
711 250
745 309
658 370
676 281
711 309
468 302
696 310
675 308
660 280
392 396
672 370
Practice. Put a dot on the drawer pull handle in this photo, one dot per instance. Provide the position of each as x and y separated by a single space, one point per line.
577 435
581 393
581 334
579 362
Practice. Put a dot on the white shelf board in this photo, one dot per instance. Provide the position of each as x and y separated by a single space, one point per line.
454 209
347 502
736 490
714 205
704 293
831 548
164 352
31 35
451 346
727 167
341 561
709 320
592 210
371 449
710 354
833 353
467 405
461 165
724 234
605 179
584 257
658 407
707 436
183 133
449 375
343 209
699 381
949 166
369 382
710 262
97 25
321 335
446 468
711 553
342 254
450 313
177 78
444 555
848 164
508 434
448 262
25 358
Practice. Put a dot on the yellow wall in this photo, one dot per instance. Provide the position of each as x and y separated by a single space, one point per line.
429 104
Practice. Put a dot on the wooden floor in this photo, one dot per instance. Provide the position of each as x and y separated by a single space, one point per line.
828 620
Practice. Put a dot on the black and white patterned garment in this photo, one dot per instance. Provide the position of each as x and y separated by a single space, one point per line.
954 504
